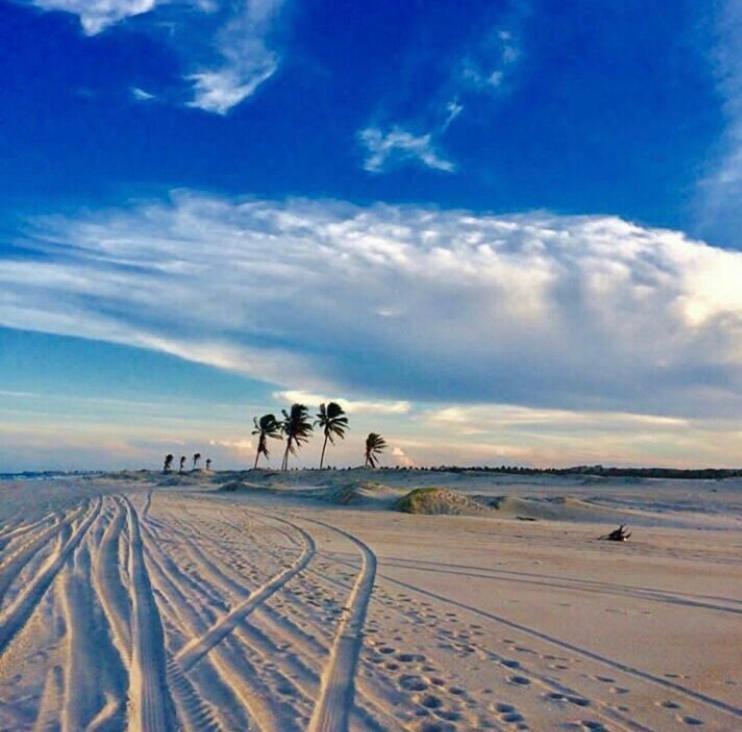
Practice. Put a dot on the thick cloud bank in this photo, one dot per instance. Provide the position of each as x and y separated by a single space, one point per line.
398 302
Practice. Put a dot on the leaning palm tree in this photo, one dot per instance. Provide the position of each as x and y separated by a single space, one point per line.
297 428
168 466
182 463
331 418
375 445
267 426
196 458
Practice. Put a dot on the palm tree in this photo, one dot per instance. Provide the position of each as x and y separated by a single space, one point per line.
196 458
297 428
182 463
267 426
208 463
375 445
168 466
332 420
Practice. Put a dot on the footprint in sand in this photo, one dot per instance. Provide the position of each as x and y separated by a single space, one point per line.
410 657
692 721
429 701
579 701
669 704
519 680
555 696
415 683
437 727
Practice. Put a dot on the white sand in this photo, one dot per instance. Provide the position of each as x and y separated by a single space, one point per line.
304 602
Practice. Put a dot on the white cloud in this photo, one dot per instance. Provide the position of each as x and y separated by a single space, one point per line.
486 418
240 445
141 95
718 210
398 146
97 15
224 45
401 457
352 406
246 60
453 110
486 65
390 303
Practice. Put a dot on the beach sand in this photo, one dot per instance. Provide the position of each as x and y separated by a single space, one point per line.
305 601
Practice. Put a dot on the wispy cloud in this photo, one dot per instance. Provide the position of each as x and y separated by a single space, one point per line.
396 146
486 66
97 15
141 95
246 60
239 446
224 45
540 310
718 210
352 406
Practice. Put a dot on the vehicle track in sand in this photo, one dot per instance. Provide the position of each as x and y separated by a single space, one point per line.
196 649
338 680
679 689
14 617
149 696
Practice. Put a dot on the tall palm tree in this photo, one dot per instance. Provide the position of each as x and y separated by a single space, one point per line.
168 466
267 426
375 445
182 463
297 428
208 463
196 458
331 418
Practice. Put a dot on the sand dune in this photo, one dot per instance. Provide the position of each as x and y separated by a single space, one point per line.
305 601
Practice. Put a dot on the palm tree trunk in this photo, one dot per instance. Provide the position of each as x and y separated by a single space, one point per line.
257 455
322 458
285 463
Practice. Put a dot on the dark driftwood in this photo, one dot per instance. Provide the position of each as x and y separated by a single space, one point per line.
619 534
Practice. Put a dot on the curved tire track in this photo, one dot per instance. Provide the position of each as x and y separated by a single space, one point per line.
197 648
333 708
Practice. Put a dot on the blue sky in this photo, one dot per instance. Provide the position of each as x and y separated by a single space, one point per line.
515 226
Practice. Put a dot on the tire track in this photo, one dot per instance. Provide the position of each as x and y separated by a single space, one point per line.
151 707
544 681
232 671
107 583
696 696
14 618
333 707
196 649
14 562
571 585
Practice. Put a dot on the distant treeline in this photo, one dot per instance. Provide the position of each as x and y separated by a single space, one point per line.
599 470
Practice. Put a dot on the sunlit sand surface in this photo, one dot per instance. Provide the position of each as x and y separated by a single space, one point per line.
308 602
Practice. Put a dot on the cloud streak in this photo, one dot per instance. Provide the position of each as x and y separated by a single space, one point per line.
224 45
720 191
387 303
97 15
397 146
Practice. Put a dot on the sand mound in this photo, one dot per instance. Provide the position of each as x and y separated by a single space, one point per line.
438 501
233 485
176 480
552 508
361 492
